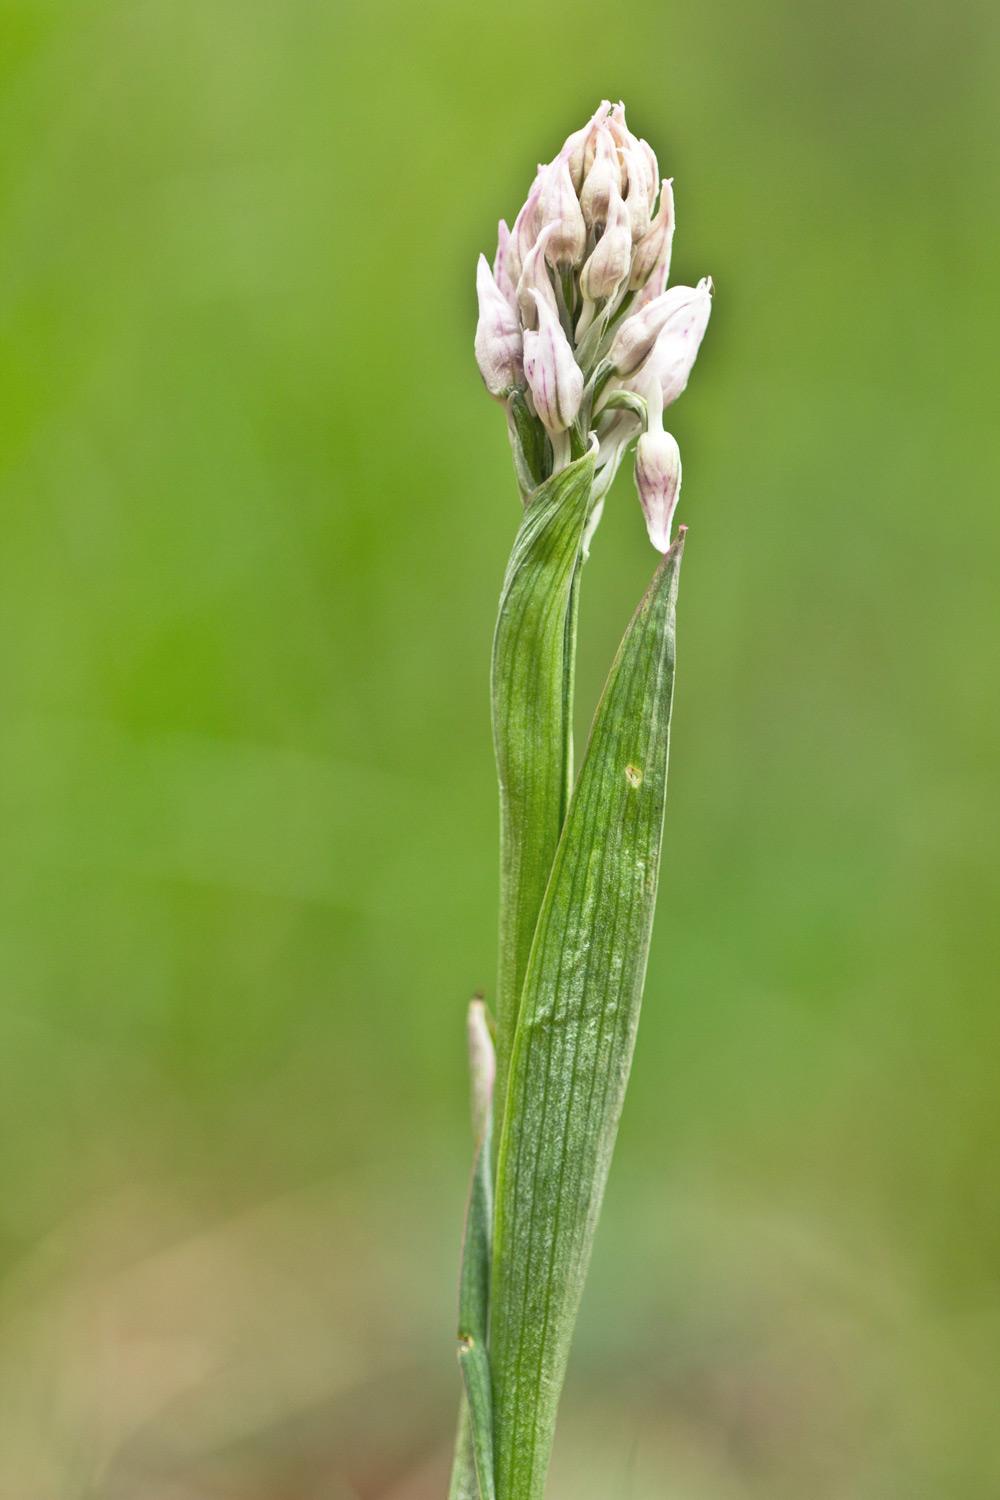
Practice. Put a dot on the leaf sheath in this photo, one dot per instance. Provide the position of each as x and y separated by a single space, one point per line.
532 692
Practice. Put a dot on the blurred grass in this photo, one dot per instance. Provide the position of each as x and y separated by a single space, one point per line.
255 513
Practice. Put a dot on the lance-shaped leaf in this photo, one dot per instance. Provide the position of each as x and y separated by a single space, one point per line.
533 659
574 1040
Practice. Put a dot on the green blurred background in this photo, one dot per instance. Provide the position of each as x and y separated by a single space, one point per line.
256 512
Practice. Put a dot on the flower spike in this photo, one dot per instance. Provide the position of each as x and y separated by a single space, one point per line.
579 334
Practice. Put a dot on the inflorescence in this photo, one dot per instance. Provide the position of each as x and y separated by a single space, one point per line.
578 335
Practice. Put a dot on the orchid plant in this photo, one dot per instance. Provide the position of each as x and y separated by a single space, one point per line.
583 343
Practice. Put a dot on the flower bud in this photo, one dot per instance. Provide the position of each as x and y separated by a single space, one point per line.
525 229
559 207
596 191
500 274
652 168
590 144
652 253
498 336
658 480
638 198
679 340
627 141
635 339
609 262
535 278
622 136
655 286
579 147
555 378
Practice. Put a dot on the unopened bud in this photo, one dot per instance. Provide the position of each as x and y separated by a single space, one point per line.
500 273
629 143
535 278
679 340
498 336
635 339
638 200
622 136
579 147
655 286
658 480
559 208
652 253
596 191
609 263
525 229
590 145
652 168
555 378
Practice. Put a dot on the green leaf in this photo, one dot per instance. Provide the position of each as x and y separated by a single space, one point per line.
532 686
574 1040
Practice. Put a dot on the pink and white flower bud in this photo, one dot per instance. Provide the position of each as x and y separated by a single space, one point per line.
623 137
679 340
652 253
498 336
595 194
598 122
638 198
525 230
559 207
500 275
555 378
627 141
652 168
637 336
579 147
608 264
535 278
658 480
